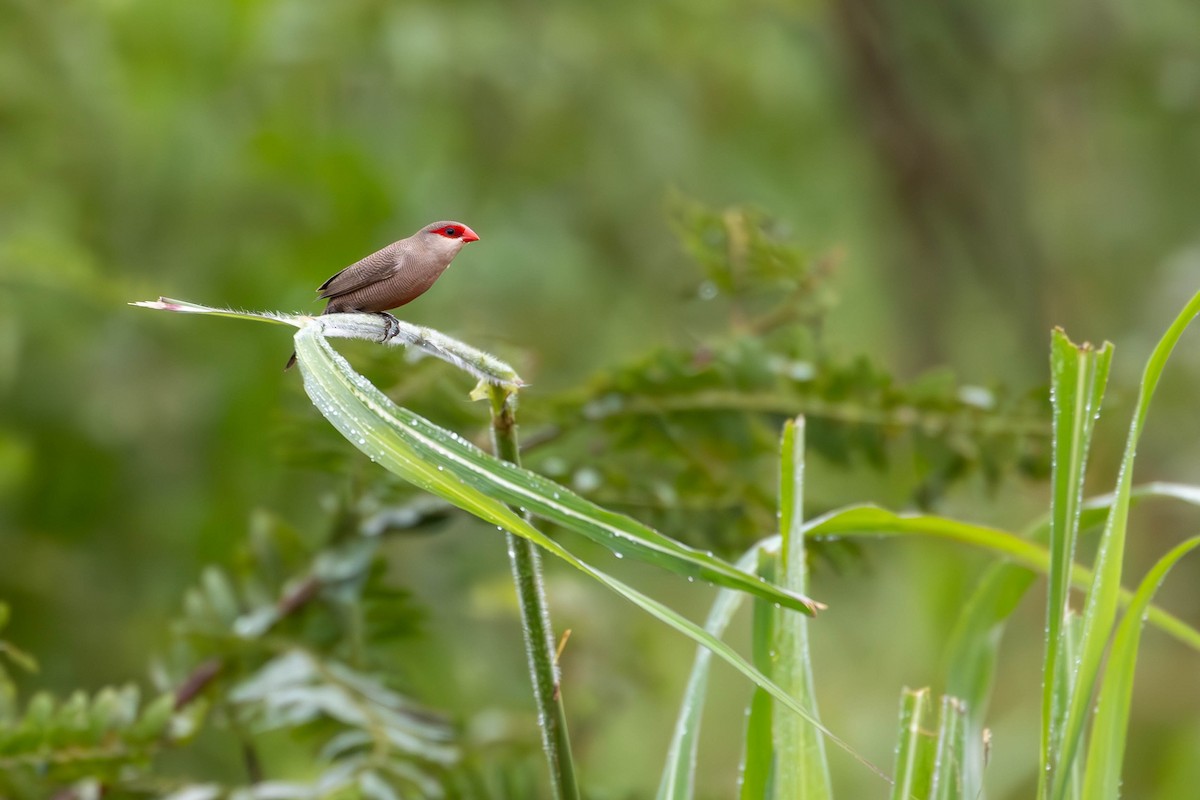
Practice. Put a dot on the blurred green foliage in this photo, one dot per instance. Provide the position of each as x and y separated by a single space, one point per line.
688 436
974 173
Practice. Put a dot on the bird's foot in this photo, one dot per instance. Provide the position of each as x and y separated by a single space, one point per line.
393 326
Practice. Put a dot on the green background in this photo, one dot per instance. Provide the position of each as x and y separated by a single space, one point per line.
979 172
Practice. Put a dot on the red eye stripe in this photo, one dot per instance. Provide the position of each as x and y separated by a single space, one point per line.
456 232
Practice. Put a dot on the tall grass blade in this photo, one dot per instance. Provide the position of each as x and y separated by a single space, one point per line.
756 781
950 762
973 653
974 647
1072 637
679 774
801 768
1100 612
915 749
1078 378
1107 747
756 778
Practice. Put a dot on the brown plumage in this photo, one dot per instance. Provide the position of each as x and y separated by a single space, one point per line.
397 274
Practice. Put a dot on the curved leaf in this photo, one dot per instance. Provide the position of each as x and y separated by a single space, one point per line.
872 521
1107 746
445 464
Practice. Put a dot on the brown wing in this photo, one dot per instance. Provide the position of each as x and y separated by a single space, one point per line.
372 269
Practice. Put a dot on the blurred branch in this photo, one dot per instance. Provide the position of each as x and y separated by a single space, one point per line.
197 681
956 184
901 416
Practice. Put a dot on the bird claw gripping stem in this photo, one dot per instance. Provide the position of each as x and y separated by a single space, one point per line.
392 328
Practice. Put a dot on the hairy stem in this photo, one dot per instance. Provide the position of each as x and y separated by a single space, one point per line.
535 616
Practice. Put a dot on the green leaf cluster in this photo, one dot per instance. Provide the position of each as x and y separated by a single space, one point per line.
295 639
291 639
686 436
83 738
88 740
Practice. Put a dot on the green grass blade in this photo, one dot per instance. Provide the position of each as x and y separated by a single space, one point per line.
1072 636
875 522
801 767
915 748
765 738
1093 512
679 774
1104 594
1078 377
756 777
1107 746
1183 492
929 762
974 646
867 521
949 765
445 464
756 780
973 653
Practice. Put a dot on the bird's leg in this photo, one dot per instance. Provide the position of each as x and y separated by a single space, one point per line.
393 326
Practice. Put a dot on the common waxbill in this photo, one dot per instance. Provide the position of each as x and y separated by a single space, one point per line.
397 274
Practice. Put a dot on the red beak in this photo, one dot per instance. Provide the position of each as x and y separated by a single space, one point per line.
469 235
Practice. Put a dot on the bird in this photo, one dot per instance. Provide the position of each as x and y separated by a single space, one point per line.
395 275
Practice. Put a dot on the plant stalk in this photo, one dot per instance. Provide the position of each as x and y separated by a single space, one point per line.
535 616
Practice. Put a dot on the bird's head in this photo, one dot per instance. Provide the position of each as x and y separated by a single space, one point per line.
447 235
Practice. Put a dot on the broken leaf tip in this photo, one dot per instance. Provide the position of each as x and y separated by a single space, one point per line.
161 304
